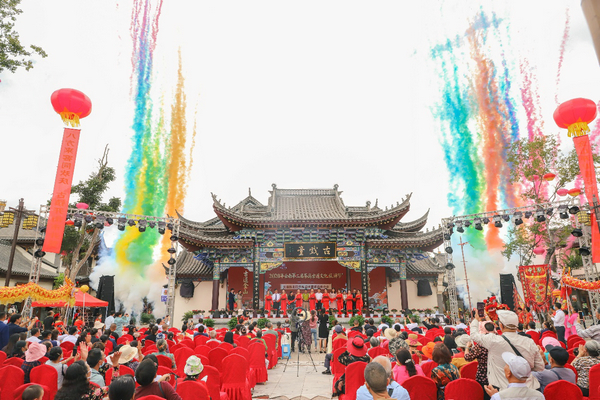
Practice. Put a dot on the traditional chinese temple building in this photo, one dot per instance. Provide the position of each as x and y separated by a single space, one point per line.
308 238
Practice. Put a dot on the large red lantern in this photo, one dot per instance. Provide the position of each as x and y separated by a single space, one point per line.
575 115
72 105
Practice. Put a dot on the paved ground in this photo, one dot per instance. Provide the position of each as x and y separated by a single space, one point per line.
307 385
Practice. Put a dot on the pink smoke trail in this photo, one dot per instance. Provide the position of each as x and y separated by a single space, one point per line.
561 57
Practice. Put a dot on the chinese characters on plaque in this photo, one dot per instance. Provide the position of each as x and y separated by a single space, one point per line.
306 275
311 250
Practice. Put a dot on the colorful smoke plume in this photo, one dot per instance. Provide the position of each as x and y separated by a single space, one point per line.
157 170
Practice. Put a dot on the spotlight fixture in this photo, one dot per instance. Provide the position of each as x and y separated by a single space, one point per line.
477 223
78 221
43 230
39 242
539 216
506 217
448 250
449 266
549 212
562 212
171 250
174 238
142 225
89 218
151 224
170 226
497 221
573 210
39 253
459 227
467 224
131 222
121 223
161 227
450 225
518 218
171 261
528 214
447 236
584 251
486 220
99 222
577 232
109 221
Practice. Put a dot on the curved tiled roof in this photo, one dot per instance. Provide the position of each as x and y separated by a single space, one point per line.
189 266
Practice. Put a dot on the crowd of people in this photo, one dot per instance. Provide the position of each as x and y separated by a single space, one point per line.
515 359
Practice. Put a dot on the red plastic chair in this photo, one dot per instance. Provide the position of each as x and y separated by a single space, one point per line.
271 342
464 389
573 338
108 347
421 388
575 343
355 378
181 355
212 345
535 336
14 361
45 375
242 352
188 342
17 394
216 357
164 361
2 357
572 368
560 390
257 362
67 348
149 350
166 371
200 340
148 343
594 378
190 390
428 367
213 382
337 368
11 377
235 383
376 351
226 346
150 397
338 343
469 370
244 340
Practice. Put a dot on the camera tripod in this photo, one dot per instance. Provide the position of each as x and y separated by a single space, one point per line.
303 315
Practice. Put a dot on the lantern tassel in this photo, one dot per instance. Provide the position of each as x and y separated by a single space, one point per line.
70 118
577 129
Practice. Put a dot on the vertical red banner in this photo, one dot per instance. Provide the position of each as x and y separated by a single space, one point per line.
62 190
588 173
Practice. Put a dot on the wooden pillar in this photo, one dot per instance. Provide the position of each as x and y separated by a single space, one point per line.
403 289
215 288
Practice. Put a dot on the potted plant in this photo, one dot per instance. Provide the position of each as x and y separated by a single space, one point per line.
394 312
209 322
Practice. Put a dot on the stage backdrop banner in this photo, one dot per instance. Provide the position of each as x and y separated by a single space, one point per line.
62 190
536 288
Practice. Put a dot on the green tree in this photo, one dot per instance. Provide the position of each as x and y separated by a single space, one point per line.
79 243
13 54
530 161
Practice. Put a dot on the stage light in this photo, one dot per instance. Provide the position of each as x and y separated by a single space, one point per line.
467 224
577 232
142 225
528 214
78 221
39 242
459 227
448 250
562 212
506 217
99 222
477 223
574 210
39 253
171 261
449 266
497 221
539 216
174 238
584 251
152 224
110 221
450 225
171 250
131 222
161 227
43 230
88 218
518 218
121 223
486 220
170 226
447 236
549 212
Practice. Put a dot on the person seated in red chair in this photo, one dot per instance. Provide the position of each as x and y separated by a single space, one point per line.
34 353
192 370
557 357
357 351
379 382
516 370
33 392
145 374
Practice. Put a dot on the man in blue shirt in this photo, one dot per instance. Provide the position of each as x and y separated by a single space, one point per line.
393 388
16 324
3 330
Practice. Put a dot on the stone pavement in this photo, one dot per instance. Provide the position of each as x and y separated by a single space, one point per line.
307 385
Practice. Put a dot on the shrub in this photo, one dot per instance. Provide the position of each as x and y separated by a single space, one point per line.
187 315
209 322
232 323
262 322
332 319
387 320
146 318
359 318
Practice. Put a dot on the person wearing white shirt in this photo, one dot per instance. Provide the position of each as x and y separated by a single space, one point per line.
559 322
382 327
319 298
411 325
71 337
517 371
110 319
461 325
276 301
35 336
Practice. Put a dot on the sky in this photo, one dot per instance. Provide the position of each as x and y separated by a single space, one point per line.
301 94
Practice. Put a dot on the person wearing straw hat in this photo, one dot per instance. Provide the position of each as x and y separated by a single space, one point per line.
508 341
129 352
357 351
461 343
412 342
395 342
34 353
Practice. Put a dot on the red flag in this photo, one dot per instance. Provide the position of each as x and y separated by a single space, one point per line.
62 190
588 173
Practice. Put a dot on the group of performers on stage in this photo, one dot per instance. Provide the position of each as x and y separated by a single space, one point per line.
325 300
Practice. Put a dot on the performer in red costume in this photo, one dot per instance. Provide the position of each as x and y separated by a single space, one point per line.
325 300
359 303
298 299
312 300
340 301
284 303
349 301
268 302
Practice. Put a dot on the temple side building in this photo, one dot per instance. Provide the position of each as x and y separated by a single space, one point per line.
308 239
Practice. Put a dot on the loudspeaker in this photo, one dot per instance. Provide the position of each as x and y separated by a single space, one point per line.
507 290
186 289
424 288
106 291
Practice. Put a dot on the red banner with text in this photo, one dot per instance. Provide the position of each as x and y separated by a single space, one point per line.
535 280
62 190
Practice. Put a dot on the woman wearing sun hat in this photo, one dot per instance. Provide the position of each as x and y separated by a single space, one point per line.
193 368
357 351
128 353
32 358
395 342
412 342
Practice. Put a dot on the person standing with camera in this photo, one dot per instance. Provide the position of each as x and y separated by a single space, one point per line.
294 327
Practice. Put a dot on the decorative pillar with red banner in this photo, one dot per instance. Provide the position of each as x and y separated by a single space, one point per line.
72 105
575 115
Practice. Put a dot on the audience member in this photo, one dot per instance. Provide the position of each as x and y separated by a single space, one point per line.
557 357
34 352
445 372
589 355
357 351
379 382
405 366
593 332
122 388
33 392
145 375
517 372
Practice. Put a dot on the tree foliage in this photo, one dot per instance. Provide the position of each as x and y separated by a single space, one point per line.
13 54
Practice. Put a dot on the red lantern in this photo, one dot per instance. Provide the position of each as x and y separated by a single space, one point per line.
575 115
562 192
70 223
72 105
574 192
549 177
539 251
